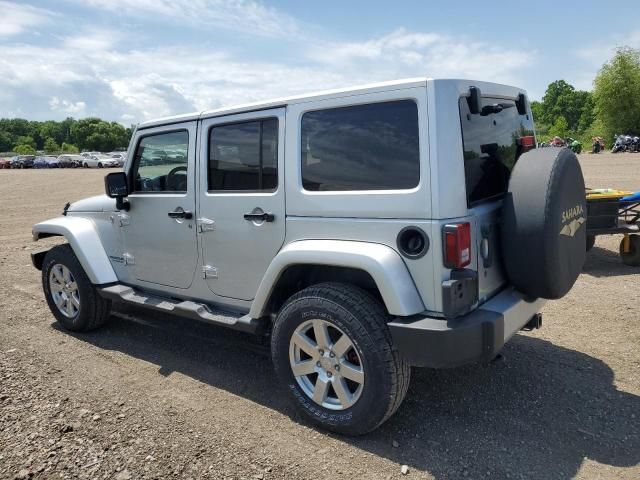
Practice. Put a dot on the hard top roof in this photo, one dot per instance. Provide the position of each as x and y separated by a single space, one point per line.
281 102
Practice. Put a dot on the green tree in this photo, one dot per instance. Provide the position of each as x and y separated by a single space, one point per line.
96 134
617 93
562 99
69 148
50 146
537 110
24 150
26 140
53 130
7 140
559 128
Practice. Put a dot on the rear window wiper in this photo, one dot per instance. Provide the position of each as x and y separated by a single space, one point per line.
495 108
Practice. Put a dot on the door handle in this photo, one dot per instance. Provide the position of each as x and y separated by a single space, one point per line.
179 213
265 217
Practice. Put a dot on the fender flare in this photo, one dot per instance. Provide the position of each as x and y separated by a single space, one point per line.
384 264
84 240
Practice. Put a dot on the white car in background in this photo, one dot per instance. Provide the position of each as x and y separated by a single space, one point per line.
121 157
100 160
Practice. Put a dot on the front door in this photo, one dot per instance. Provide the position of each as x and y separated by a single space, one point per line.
160 238
241 214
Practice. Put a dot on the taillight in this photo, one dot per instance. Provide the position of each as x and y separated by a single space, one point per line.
527 142
457 245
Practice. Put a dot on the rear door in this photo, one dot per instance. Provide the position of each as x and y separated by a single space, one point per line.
242 204
493 140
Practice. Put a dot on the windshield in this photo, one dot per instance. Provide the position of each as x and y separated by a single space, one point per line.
492 144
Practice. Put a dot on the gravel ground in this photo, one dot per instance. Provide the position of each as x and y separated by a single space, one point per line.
158 397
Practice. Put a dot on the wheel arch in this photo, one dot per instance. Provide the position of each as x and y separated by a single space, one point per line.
85 243
372 266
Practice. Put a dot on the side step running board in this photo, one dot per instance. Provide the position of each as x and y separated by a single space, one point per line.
182 308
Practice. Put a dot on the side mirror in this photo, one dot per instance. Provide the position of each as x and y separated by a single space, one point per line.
115 186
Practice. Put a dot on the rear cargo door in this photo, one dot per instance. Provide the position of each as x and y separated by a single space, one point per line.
493 140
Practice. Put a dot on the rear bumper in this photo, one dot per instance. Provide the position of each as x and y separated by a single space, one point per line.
478 336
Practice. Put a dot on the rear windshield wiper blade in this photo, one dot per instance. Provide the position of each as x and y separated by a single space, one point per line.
495 108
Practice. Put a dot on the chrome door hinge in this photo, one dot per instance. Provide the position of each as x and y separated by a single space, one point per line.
128 259
120 219
209 272
205 225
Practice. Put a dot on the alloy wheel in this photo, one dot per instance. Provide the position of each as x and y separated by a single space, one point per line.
326 364
64 291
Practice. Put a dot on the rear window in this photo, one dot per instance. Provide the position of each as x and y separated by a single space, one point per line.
362 147
491 143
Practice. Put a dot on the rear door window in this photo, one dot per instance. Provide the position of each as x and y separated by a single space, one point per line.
492 144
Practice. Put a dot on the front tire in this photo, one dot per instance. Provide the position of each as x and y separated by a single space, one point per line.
71 296
332 349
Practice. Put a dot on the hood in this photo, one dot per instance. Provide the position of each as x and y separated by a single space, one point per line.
99 203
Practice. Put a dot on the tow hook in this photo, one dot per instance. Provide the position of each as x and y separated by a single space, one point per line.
534 323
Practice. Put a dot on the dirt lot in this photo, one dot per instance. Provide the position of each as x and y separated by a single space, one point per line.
163 398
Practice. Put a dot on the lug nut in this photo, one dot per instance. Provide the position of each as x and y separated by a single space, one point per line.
329 374
321 352
337 367
317 364
331 354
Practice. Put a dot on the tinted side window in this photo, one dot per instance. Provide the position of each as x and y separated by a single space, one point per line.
244 156
160 163
363 147
491 145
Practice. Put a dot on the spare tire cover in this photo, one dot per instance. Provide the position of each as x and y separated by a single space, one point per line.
543 232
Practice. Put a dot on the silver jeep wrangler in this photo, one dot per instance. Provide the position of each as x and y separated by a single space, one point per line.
363 231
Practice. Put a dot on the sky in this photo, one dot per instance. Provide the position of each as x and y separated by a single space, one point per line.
135 60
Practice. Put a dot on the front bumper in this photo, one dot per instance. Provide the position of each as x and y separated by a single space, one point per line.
478 336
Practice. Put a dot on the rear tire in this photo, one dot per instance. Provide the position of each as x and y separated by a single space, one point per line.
632 257
71 296
349 316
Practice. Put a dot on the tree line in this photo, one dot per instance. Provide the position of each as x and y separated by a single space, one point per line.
70 135
612 107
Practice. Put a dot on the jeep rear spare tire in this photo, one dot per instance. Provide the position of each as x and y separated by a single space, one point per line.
544 223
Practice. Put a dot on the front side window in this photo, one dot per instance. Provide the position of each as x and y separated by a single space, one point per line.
362 147
244 156
160 163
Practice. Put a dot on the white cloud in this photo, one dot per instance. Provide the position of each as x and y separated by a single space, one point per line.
16 18
92 40
238 15
404 53
70 108
94 71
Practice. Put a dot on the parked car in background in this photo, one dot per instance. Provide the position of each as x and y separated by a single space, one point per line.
5 163
99 161
70 161
119 156
23 161
88 154
46 161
